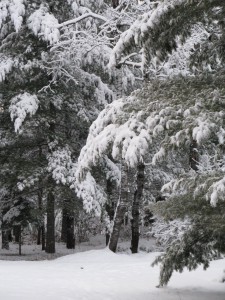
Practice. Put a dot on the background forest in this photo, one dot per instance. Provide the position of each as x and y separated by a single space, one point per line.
112 113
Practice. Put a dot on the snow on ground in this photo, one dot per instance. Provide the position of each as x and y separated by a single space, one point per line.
31 251
103 275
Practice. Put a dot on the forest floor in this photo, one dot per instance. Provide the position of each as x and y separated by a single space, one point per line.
101 275
31 251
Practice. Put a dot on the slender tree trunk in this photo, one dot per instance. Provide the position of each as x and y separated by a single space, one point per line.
50 236
70 238
16 233
110 206
5 239
136 207
39 236
20 240
50 233
43 236
64 225
120 211
67 231
40 208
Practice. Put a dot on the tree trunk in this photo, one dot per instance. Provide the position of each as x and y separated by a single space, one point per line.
70 237
40 207
50 236
5 239
64 225
110 206
16 233
120 211
20 239
135 208
39 236
43 236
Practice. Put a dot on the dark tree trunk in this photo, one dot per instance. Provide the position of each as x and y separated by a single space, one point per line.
16 233
193 161
67 231
120 211
5 239
43 236
40 207
50 236
20 239
107 238
50 232
64 225
70 238
136 207
110 206
39 236
115 3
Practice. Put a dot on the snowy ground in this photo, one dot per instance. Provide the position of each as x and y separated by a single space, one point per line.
103 275
33 251
100 275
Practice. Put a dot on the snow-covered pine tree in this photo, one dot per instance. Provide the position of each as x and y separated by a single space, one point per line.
161 30
158 33
50 109
170 114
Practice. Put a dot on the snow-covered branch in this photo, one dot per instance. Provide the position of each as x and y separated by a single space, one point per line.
82 17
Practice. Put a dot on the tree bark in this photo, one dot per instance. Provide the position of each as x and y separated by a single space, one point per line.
70 237
120 211
50 236
20 239
40 208
136 208
16 233
5 239
39 236
43 236
64 225
110 206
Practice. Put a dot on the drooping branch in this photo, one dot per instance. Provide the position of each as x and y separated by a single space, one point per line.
162 23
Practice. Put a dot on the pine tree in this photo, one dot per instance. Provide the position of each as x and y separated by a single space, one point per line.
171 114
45 111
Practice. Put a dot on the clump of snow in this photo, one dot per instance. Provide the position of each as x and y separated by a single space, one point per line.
166 232
44 24
202 131
216 192
22 105
61 166
17 10
6 64
3 11
158 156
92 195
